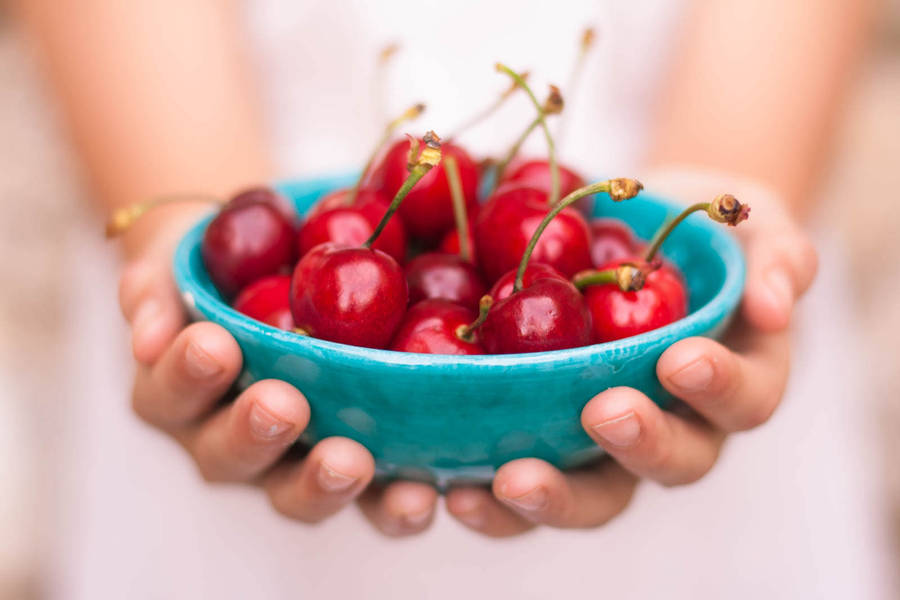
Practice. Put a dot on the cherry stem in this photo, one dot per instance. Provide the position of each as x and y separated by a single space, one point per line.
451 169
594 277
124 217
427 159
467 332
486 111
511 154
588 37
408 115
619 189
551 148
660 236
385 56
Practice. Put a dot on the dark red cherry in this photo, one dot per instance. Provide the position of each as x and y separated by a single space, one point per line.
503 287
244 243
616 314
430 327
333 219
506 223
427 211
266 195
536 173
447 276
268 300
450 243
611 239
549 314
350 295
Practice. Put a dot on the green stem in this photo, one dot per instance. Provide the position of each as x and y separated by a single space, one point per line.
594 188
660 236
593 277
451 169
467 332
417 173
484 113
551 148
511 154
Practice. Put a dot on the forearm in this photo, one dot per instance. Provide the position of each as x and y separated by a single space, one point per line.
756 88
154 104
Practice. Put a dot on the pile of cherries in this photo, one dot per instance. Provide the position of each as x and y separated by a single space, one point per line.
524 270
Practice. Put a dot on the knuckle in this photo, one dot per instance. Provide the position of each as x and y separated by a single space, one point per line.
131 286
758 414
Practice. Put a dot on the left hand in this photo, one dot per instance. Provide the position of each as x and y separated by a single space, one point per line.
724 388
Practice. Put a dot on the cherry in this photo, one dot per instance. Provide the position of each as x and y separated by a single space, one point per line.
334 220
446 276
246 242
357 295
507 222
268 300
536 173
549 314
427 211
611 239
265 195
437 326
503 287
450 242
618 314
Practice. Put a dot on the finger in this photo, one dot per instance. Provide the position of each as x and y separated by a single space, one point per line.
733 390
334 472
401 508
648 441
150 303
479 510
781 265
541 493
195 371
247 437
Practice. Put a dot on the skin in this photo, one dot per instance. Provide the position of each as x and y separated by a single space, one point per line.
115 104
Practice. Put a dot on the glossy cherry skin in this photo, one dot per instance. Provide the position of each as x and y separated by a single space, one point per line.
334 220
266 195
549 314
616 314
611 239
430 328
350 295
536 173
503 287
244 243
446 276
268 300
508 220
427 211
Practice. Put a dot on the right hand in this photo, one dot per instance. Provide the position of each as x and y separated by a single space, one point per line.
183 371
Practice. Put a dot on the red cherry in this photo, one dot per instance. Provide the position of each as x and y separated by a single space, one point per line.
266 195
268 300
334 220
503 287
246 242
549 314
506 223
349 295
446 276
427 211
611 239
430 327
450 241
536 173
617 314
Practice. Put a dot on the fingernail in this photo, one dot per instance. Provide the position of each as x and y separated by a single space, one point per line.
693 377
534 500
622 431
416 520
266 425
199 363
144 317
334 481
781 290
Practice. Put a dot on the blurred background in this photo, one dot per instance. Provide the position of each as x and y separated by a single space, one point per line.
47 348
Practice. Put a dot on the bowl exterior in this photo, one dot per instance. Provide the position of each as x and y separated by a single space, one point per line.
450 420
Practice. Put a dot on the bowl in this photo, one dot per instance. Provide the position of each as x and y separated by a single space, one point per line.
450 419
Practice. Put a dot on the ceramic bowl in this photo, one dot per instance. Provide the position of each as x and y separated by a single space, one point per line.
449 419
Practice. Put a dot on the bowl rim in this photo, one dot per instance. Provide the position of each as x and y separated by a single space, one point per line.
695 323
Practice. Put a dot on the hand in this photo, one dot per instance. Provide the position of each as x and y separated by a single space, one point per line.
723 388
184 371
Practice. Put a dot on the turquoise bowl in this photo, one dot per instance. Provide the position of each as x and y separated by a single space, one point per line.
449 419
